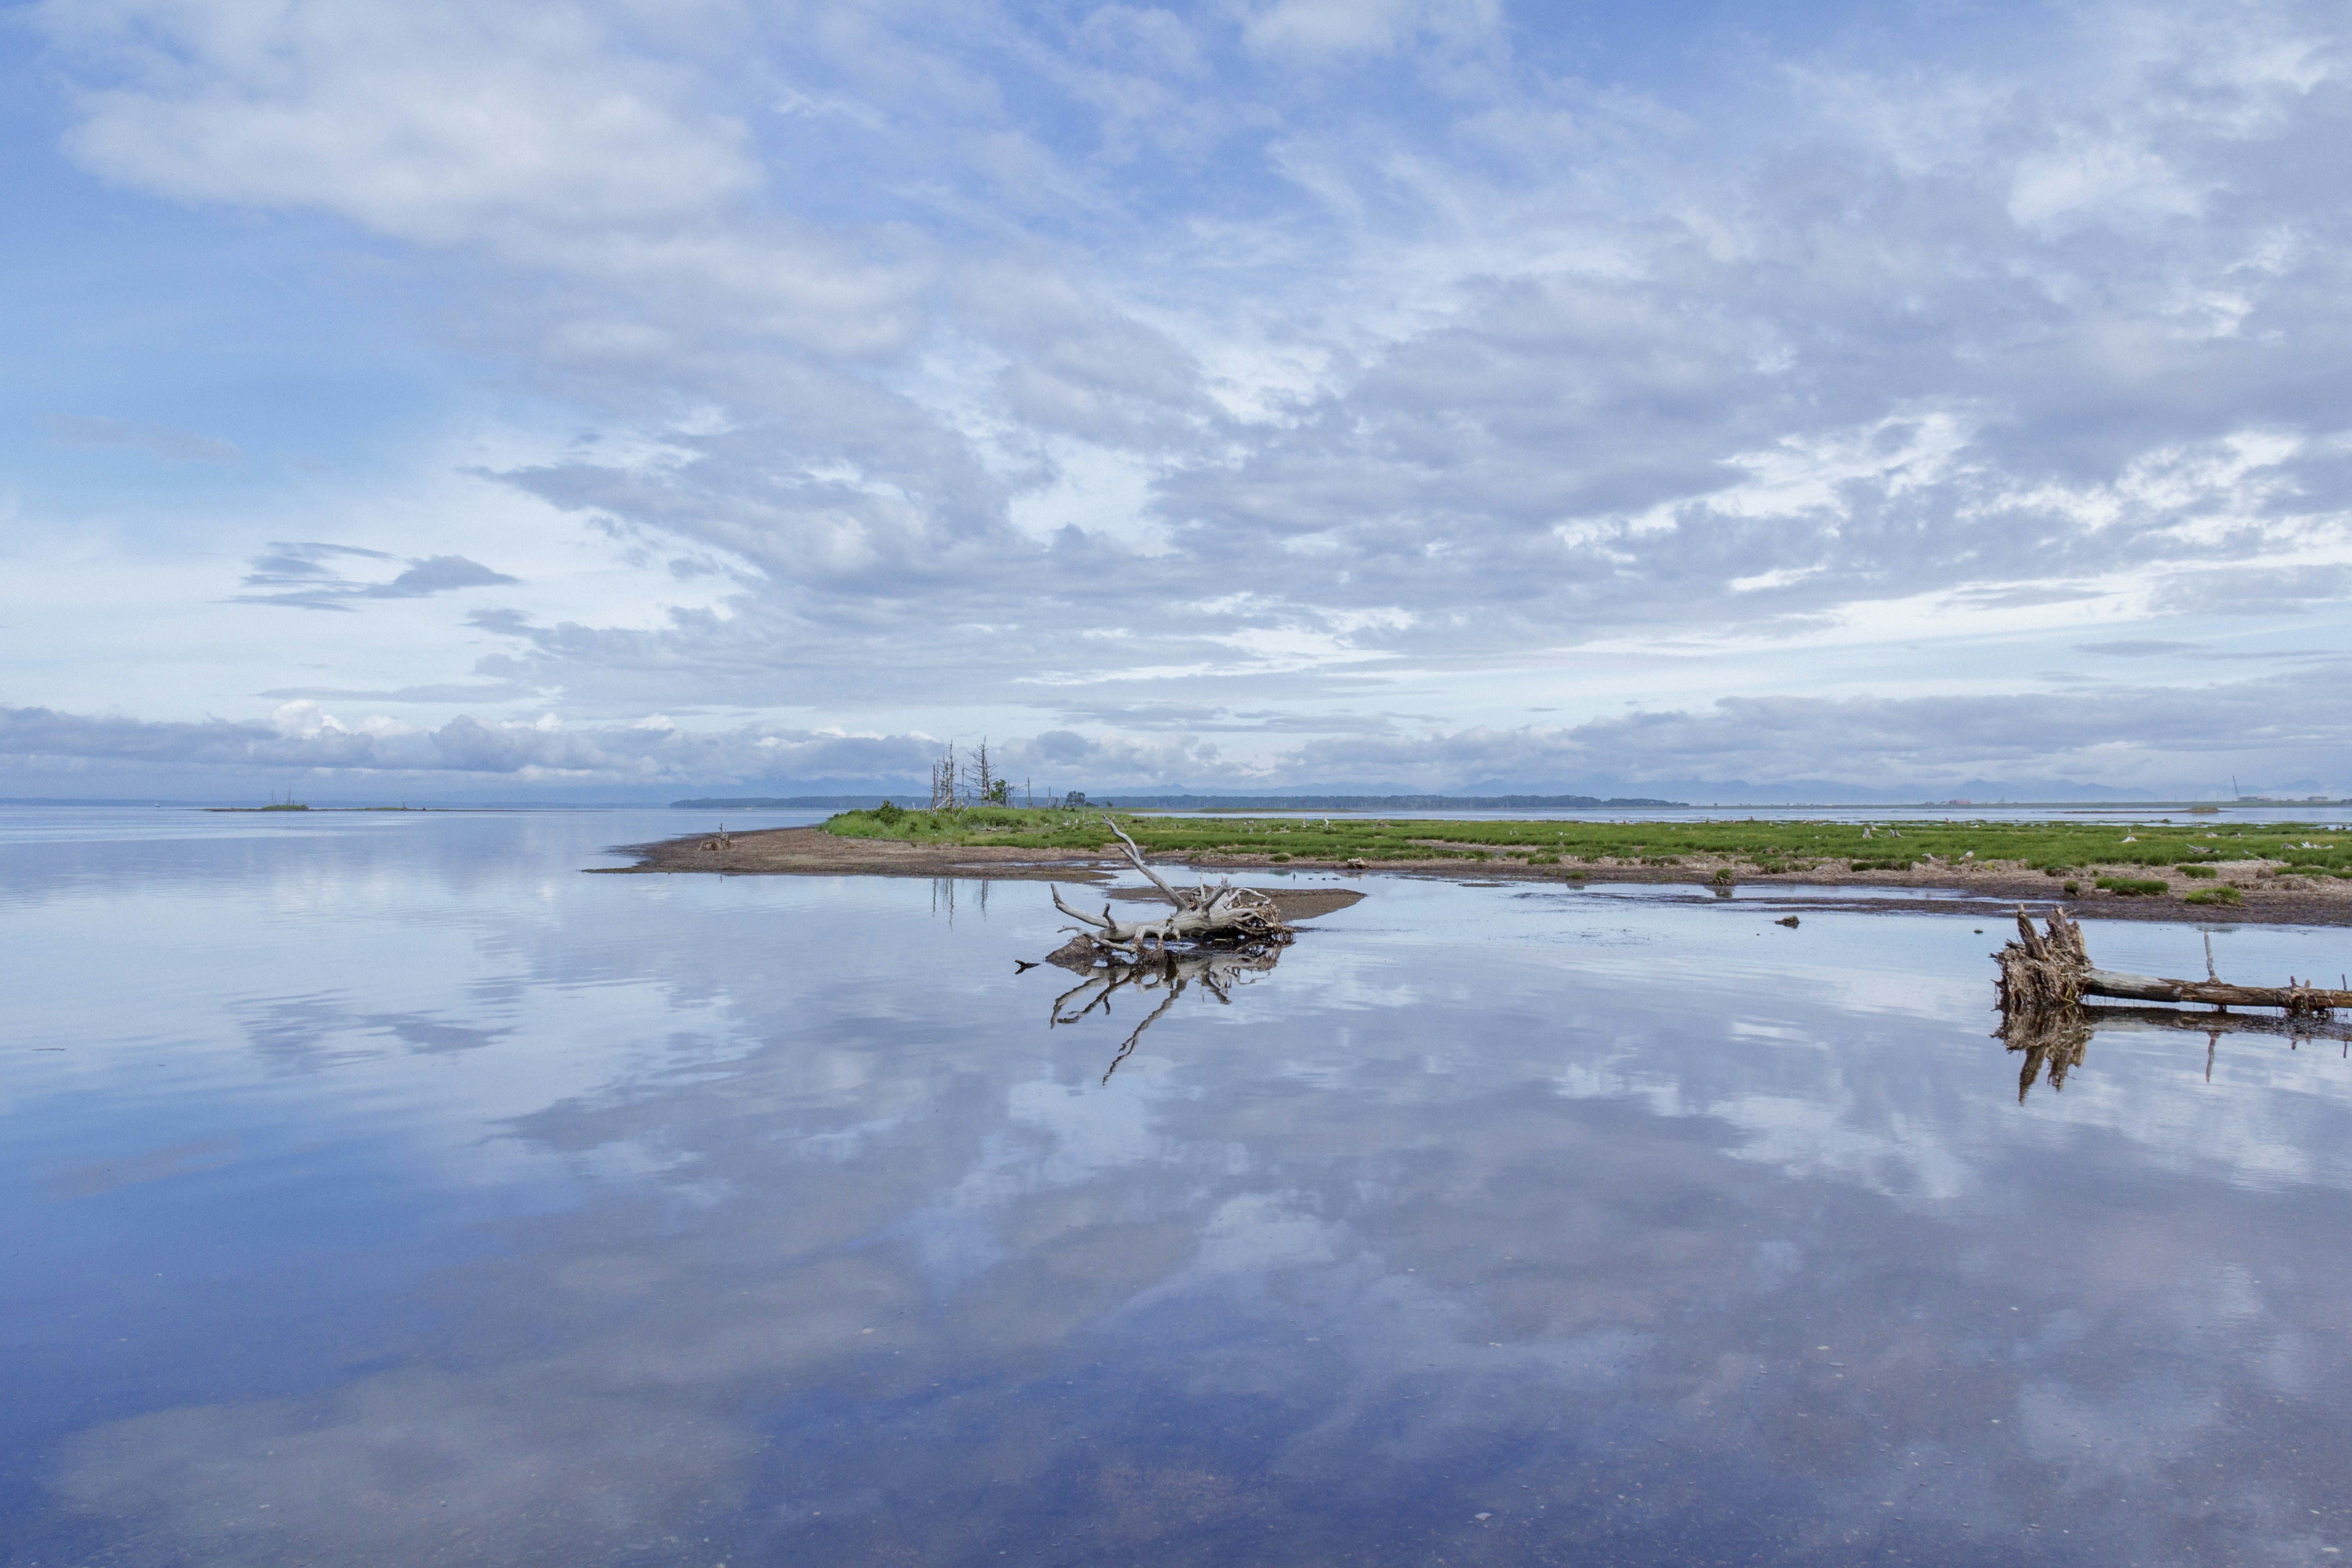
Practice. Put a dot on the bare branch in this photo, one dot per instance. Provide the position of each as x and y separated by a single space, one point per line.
1102 924
1135 856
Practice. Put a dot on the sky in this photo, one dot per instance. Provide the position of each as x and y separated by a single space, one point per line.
623 400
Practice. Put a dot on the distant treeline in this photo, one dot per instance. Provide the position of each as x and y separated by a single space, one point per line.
1232 802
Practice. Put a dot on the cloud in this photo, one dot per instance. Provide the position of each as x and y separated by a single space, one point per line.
1358 27
301 734
446 692
436 123
2165 740
303 577
1312 361
2138 648
175 446
2168 739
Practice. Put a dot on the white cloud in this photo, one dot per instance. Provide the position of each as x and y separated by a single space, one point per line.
429 121
968 359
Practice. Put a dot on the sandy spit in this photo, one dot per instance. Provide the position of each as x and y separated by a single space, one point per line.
1993 887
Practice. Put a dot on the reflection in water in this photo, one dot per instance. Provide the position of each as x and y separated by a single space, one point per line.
2055 1040
943 897
428 1201
1168 971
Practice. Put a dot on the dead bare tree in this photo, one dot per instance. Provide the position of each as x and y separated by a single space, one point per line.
943 781
1225 914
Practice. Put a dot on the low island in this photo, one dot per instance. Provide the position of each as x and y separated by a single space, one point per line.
2200 869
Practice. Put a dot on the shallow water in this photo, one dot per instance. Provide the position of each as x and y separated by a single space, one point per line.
384 1190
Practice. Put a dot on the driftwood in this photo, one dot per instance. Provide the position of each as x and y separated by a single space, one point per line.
1225 914
1216 972
2041 971
2045 976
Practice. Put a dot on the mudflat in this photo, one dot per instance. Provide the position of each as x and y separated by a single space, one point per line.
2268 899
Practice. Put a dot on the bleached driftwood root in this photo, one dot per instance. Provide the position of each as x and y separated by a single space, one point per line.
1223 915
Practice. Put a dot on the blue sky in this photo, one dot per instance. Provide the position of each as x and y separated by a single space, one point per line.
620 400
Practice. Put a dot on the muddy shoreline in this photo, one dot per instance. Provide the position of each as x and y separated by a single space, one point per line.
1993 890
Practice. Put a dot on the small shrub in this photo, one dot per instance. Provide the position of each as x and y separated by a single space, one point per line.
1280 856
888 813
2135 886
1723 874
2202 872
2072 886
2215 895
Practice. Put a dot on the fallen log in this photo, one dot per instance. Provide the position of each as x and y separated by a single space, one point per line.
2043 971
1223 914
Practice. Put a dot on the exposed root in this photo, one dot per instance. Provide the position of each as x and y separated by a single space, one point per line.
1222 915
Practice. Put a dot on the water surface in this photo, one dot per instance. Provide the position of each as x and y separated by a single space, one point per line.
382 1189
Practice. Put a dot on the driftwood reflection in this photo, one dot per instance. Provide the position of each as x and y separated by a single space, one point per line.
1168 972
2055 1042
2046 975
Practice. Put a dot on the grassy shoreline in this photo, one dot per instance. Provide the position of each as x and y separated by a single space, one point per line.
2203 854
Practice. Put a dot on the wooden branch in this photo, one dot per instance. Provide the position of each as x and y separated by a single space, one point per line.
2042 972
1102 924
2292 997
1135 856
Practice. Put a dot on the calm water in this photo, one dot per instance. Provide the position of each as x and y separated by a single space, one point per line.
386 1190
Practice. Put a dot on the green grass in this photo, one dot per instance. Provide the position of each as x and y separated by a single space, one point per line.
2215 895
2135 886
2058 848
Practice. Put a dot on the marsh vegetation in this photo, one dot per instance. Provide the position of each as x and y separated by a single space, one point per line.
1749 847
